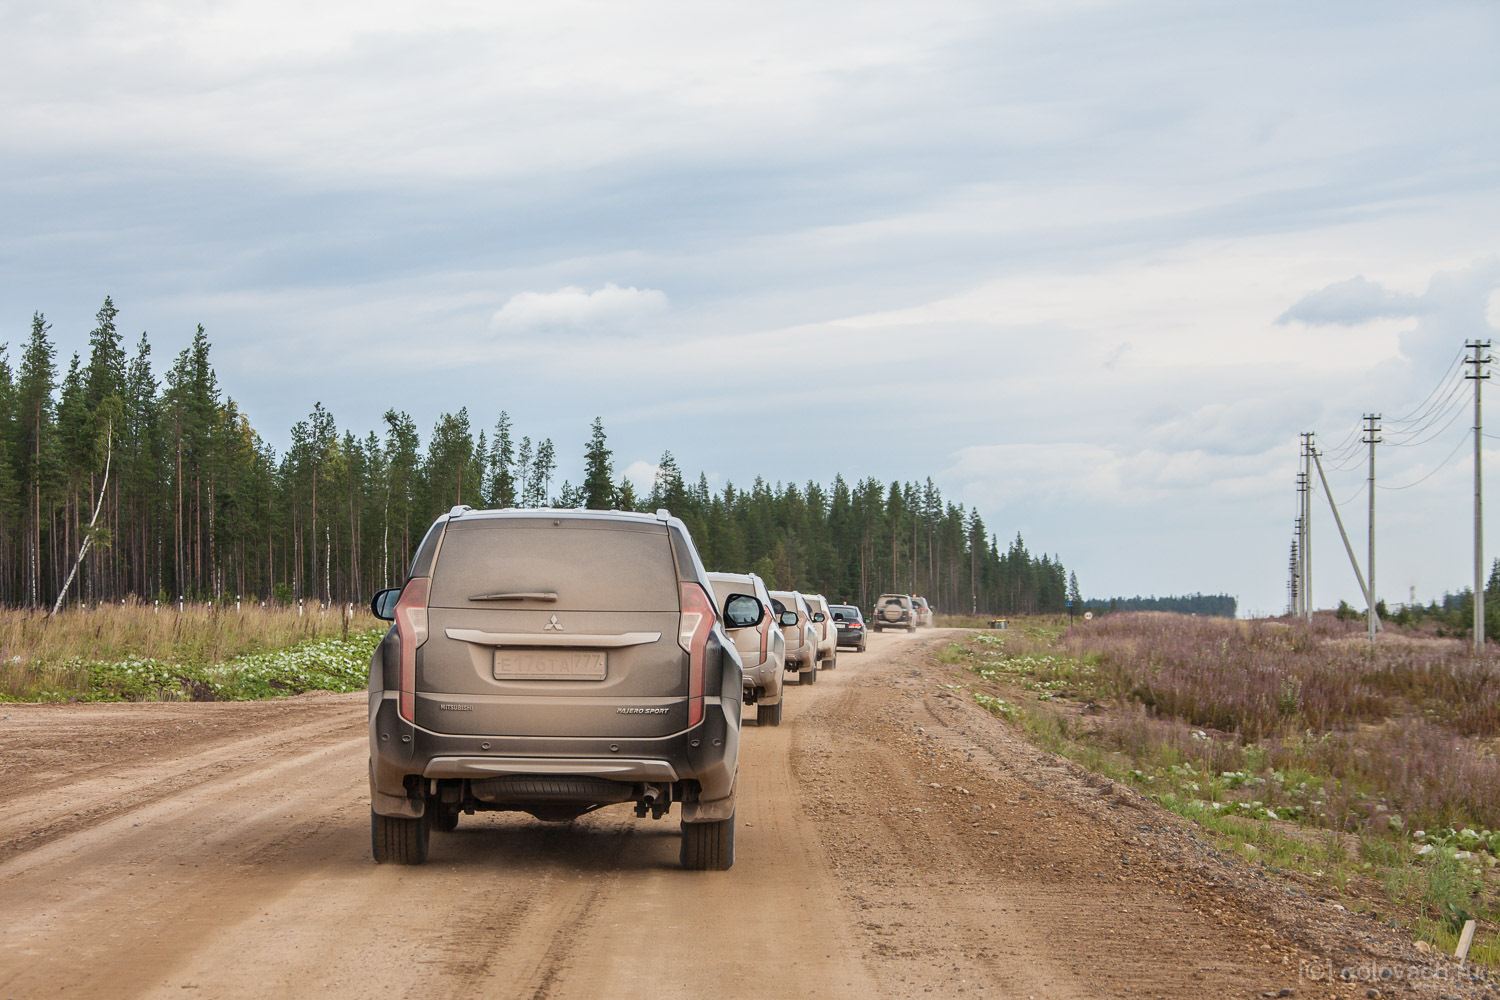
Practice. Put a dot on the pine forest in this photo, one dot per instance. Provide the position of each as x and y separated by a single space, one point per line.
171 493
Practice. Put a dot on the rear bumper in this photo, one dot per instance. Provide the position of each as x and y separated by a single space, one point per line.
851 637
708 753
764 679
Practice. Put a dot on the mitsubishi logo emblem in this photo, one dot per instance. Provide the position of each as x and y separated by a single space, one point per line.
552 626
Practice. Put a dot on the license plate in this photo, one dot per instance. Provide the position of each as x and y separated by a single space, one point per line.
549 665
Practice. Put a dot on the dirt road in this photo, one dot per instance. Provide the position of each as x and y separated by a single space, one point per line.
893 840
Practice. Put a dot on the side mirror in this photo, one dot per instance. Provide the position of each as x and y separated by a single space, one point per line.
819 616
383 604
788 619
743 611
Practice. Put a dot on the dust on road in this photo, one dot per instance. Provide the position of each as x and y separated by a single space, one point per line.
893 840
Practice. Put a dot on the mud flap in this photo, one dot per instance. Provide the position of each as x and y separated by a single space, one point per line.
385 804
708 812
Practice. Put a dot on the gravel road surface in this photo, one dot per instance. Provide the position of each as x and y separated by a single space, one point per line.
893 841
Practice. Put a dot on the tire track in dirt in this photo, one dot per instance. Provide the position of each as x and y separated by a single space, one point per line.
80 791
893 840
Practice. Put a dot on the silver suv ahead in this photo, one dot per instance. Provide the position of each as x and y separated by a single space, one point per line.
553 662
762 647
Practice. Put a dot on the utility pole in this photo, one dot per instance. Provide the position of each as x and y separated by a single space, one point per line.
1292 577
1307 596
1372 438
1299 592
1293 607
1477 376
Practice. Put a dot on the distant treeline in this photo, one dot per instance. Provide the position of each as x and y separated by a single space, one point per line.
1453 615
196 504
1214 605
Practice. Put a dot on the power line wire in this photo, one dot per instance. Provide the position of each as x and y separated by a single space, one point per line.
1450 369
1457 412
1462 441
1344 503
1436 413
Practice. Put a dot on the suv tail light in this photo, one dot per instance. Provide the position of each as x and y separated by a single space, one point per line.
411 629
692 635
765 635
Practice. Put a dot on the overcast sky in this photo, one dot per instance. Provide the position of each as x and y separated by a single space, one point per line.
1090 266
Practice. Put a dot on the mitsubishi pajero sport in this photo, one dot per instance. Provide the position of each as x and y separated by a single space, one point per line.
554 662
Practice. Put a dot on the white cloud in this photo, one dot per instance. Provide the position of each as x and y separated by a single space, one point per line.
1082 474
1349 302
606 309
643 475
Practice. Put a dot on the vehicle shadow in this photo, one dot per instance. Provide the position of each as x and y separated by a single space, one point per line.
602 842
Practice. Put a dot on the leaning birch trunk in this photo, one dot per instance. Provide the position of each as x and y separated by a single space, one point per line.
88 539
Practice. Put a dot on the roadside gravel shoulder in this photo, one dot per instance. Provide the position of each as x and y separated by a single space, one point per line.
1053 879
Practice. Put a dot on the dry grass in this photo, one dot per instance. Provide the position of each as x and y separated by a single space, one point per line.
38 653
1278 732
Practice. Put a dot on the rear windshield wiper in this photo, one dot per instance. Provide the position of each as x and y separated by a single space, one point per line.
519 595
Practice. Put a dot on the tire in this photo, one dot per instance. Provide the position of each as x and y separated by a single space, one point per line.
444 818
862 647
768 715
912 627
809 676
397 840
708 847
833 661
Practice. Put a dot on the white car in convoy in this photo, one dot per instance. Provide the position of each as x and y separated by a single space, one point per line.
762 648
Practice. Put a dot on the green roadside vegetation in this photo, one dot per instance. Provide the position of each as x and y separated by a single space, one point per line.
336 661
1369 812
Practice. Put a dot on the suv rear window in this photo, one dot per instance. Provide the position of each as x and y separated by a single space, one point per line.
590 565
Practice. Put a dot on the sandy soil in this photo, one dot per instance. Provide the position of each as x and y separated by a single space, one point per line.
893 841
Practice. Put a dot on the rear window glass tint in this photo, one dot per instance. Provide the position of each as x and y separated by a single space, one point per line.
591 566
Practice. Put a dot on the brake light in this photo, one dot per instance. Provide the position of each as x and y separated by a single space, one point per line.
692 635
765 634
411 629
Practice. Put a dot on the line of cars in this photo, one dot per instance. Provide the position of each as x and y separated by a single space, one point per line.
555 662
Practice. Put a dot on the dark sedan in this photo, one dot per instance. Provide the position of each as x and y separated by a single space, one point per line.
851 626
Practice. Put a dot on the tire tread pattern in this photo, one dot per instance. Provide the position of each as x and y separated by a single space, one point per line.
398 840
708 847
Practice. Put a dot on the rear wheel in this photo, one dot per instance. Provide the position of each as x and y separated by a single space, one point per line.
832 662
708 847
912 627
768 715
861 647
445 817
397 840
809 676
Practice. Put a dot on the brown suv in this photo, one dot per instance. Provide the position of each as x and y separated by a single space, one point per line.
553 662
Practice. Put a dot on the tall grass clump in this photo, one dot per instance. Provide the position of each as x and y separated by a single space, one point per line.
63 656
